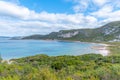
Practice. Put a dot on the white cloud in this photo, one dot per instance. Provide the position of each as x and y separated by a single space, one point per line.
19 20
83 5
23 13
107 13
43 27
100 2
80 5
13 10
103 12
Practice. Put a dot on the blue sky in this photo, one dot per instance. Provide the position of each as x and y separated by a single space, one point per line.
56 6
27 17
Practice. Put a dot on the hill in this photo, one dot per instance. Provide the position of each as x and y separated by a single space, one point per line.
108 32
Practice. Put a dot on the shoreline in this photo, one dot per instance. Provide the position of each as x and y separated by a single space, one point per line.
103 49
65 41
7 61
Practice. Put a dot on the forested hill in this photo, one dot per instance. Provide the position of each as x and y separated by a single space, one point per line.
108 32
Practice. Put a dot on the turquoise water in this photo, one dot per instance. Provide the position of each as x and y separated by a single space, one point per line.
21 48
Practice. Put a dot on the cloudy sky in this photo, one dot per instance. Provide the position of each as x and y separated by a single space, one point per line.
26 17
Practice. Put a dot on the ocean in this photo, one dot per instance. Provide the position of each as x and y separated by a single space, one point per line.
10 49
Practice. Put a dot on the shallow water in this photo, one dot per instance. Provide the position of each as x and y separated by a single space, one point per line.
21 48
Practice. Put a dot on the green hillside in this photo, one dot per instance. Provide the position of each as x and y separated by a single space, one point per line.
108 32
66 67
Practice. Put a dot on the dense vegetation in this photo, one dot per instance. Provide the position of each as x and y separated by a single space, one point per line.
82 67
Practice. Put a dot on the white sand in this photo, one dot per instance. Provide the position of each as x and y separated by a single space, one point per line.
103 49
7 61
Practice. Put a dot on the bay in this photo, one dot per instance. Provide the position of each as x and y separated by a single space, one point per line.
10 49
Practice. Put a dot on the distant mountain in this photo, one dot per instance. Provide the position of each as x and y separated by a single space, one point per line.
17 38
4 37
108 32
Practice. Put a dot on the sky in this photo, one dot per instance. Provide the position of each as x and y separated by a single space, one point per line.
27 17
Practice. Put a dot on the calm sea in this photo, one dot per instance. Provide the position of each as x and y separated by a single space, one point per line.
21 48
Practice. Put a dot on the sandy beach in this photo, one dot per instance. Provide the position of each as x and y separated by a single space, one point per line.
103 49
7 61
